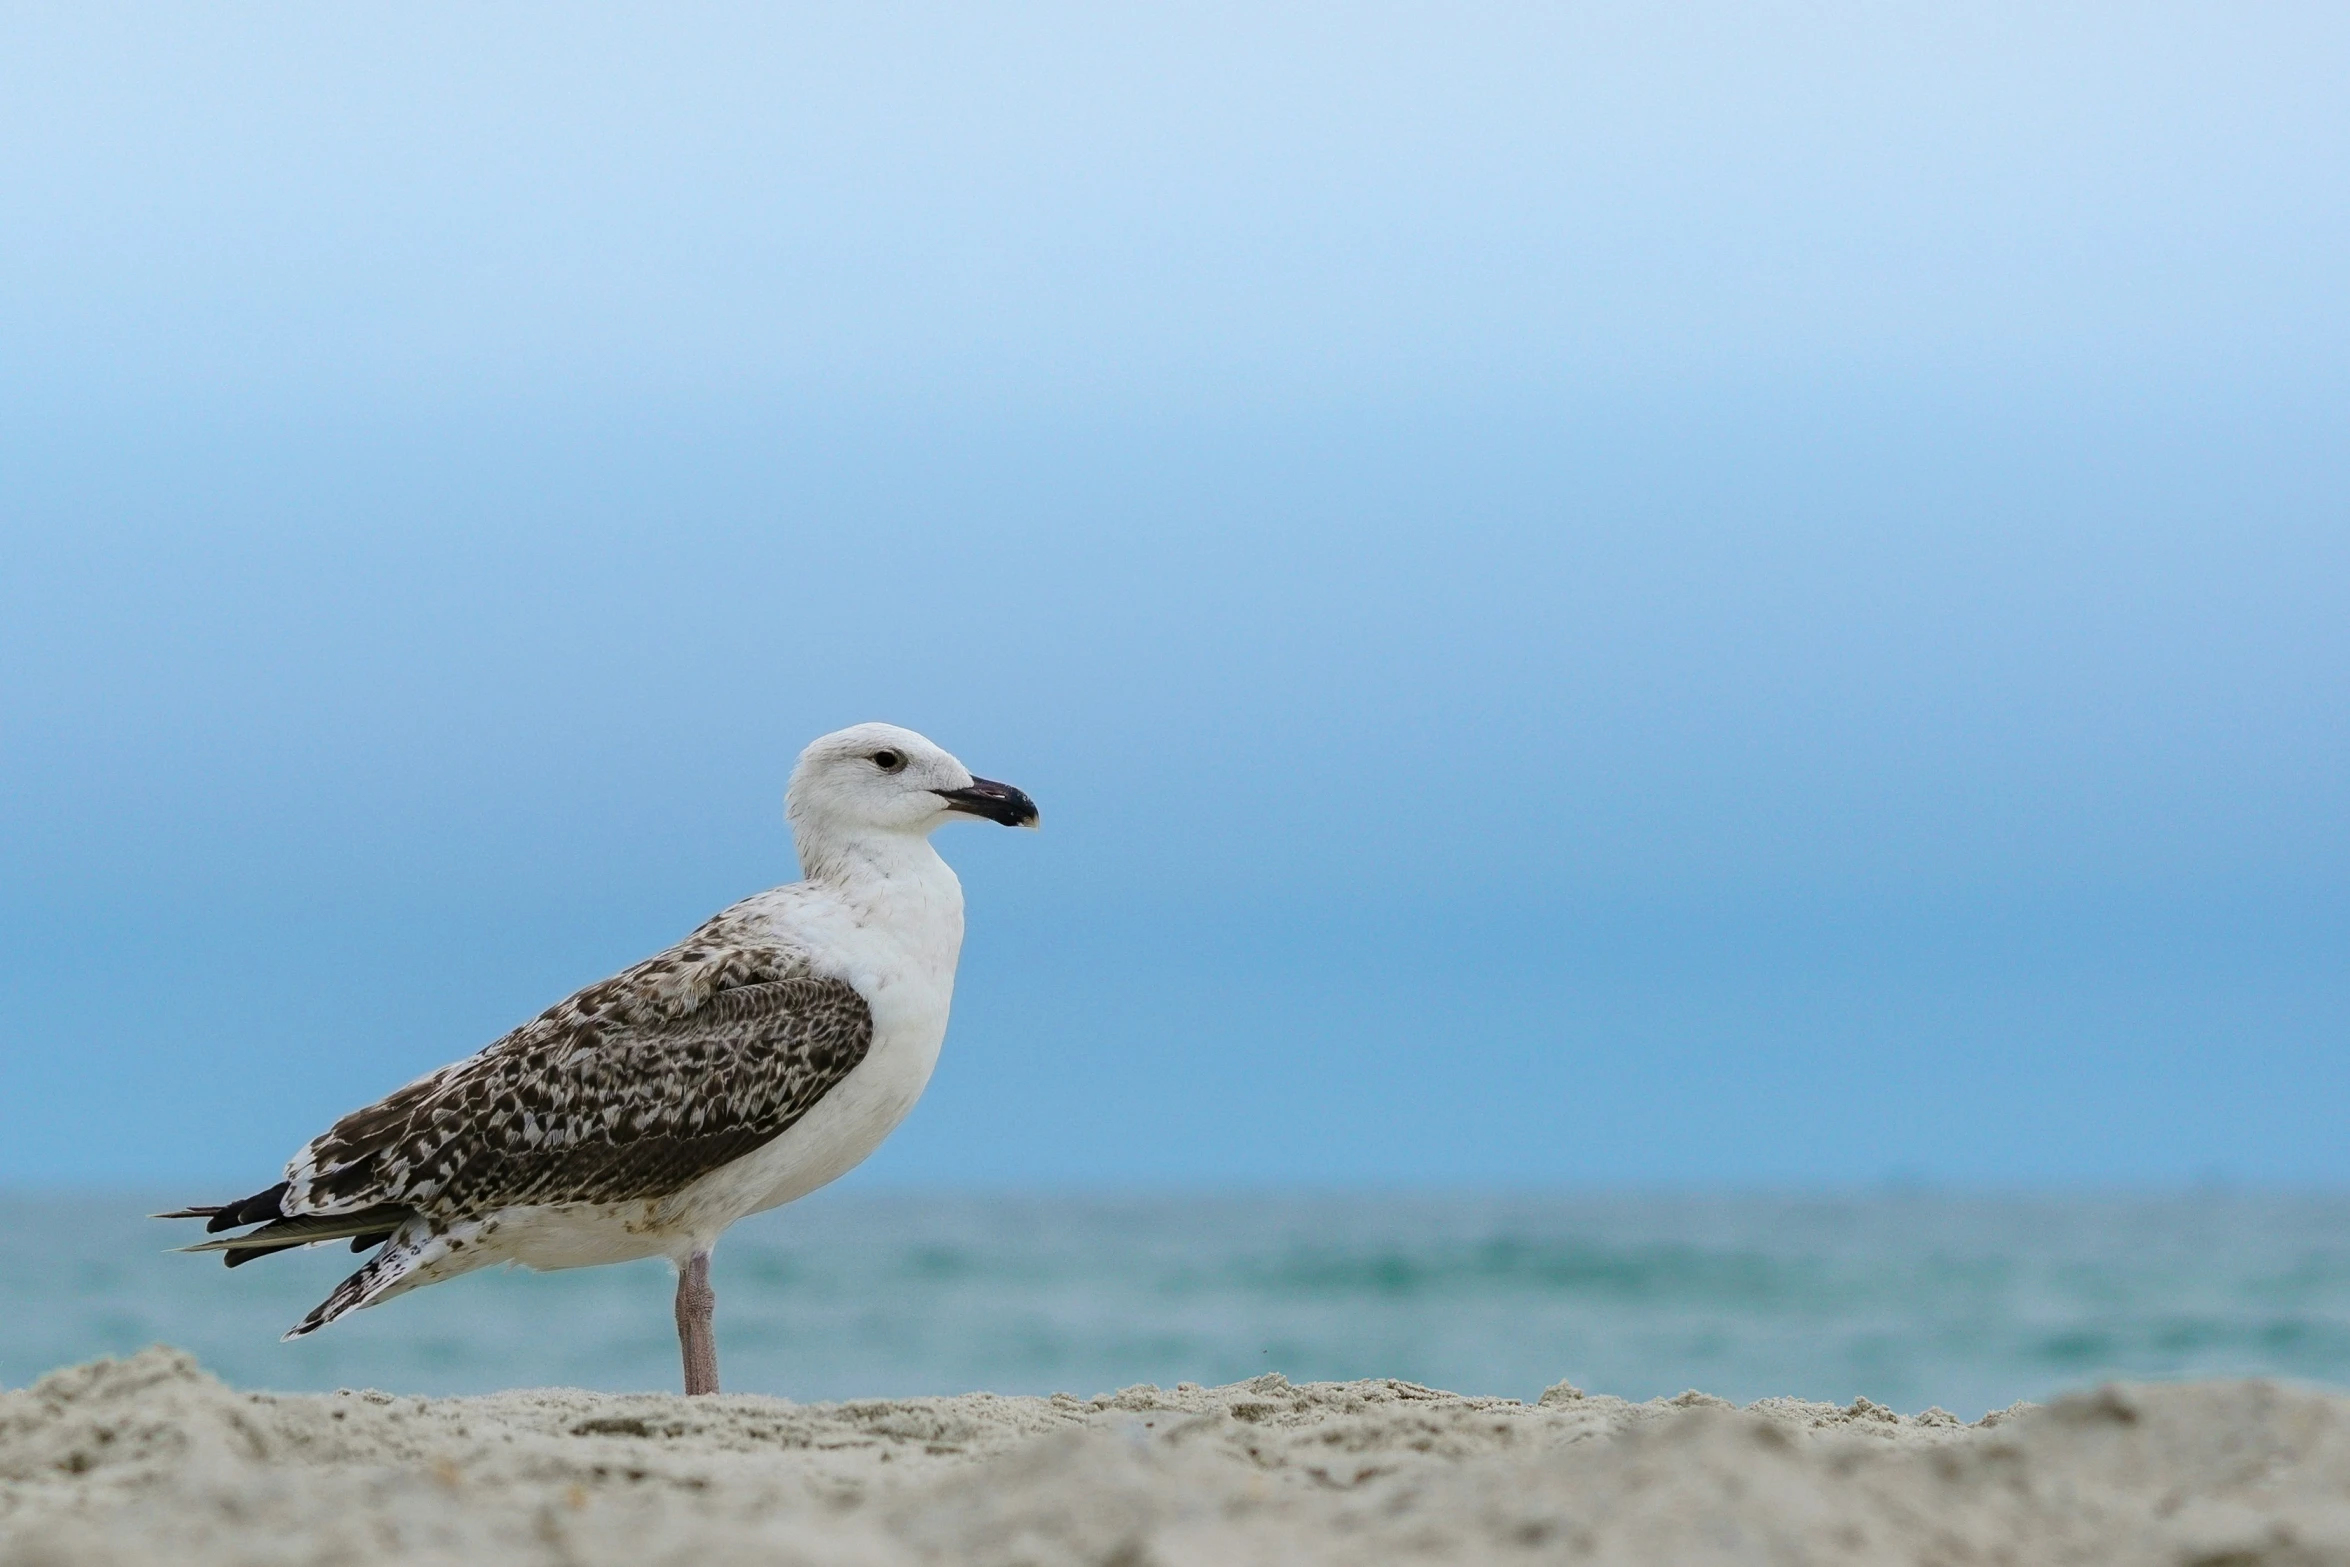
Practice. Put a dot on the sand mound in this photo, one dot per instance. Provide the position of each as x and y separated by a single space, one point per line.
150 1460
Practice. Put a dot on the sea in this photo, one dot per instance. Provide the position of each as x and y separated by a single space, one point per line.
1913 1298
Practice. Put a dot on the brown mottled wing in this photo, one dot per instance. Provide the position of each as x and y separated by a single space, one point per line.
597 1105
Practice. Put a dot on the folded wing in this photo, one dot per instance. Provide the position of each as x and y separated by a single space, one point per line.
603 1107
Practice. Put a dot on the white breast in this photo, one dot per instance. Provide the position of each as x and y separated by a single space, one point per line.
894 935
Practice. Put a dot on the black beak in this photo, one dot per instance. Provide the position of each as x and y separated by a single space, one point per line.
997 802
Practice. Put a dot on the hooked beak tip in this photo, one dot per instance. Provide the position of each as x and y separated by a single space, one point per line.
997 802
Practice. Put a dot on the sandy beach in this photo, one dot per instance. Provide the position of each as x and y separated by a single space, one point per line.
150 1459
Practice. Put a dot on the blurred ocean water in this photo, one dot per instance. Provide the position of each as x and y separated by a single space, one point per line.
1910 1298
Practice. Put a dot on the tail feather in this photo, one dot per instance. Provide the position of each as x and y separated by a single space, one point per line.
348 1295
386 1273
304 1229
413 1250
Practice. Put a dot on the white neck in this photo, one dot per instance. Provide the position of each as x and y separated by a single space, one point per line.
898 888
892 897
855 861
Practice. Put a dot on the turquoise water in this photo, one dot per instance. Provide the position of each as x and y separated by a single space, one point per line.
1911 1299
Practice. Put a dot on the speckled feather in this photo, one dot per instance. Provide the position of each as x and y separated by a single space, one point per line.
629 1090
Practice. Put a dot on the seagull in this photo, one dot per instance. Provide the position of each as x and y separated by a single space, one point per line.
763 1056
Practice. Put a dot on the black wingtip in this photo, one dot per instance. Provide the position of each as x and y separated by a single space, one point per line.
245 1254
228 1215
256 1209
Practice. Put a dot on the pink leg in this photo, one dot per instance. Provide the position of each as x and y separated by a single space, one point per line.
697 1336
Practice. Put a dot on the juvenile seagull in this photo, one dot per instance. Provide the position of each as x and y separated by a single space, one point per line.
767 1053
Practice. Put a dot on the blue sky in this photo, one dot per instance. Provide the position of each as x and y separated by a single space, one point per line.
1742 594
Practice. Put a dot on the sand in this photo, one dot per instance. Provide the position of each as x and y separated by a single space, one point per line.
150 1460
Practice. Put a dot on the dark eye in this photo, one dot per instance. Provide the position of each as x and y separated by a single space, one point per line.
888 761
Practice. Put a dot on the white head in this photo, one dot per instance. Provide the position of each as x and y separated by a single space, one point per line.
877 780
